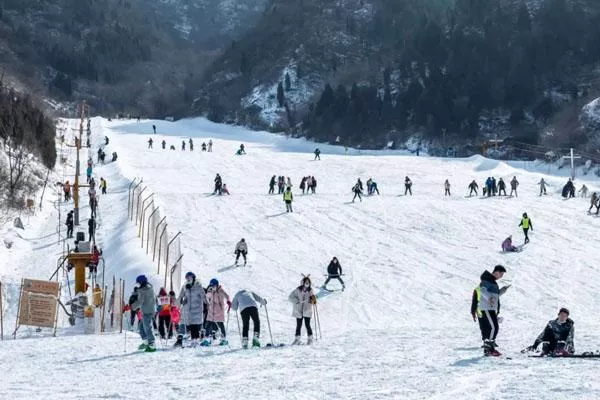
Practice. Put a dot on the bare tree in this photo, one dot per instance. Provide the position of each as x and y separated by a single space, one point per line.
18 157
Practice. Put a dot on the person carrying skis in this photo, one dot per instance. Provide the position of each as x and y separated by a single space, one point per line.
473 188
150 141
593 201
334 271
218 184
146 302
241 249
192 300
557 337
543 185
584 191
407 186
69 224
317 154
501 187
288 197
446 188
247 302
485 306
164 144
514 183
164 303
303 299
507 245
217 298
272 183
356 189
526 224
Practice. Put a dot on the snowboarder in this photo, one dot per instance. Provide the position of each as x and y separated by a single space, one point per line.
150 141
217 298
407 186
507 245
218 184
154 128
526 224
593 201
356 189
485 306
192 300
146 302
247 302
557 337
183 145
103 185
446 188
584 191
164 303
334 271
241 249
514 183
210 146
288 197
501 187
473 188
92 228
69 224
543 185
191 143
164 144
317 154
203 146
303 300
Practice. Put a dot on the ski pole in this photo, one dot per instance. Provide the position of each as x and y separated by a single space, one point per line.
317 321
269 325
238 324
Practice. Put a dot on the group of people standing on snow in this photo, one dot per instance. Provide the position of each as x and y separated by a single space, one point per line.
190 143
308 184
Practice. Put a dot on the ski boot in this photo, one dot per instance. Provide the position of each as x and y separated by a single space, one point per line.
244 343
143 346
150 348
255 342
310 340
489 349
296 341
223 342
205 342
179 342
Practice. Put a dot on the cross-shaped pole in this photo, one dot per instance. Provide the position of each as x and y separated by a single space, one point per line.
572 157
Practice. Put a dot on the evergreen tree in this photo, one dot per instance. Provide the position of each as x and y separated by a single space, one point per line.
280 95
288 82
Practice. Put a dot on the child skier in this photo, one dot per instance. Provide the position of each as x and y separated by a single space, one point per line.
165 302
217 299
246 301
241 249
303 299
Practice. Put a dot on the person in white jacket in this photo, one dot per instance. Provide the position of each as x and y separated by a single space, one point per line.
303 299
247 302
241 249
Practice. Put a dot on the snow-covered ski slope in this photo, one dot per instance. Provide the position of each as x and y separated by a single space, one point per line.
402 328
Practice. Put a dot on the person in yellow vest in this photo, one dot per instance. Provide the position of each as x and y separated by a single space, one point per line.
103 185
526 225
97 296
288 197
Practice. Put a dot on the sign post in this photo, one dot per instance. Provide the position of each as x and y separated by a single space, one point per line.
38 303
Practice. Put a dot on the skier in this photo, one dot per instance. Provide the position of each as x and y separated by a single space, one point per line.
374 187
146 302
241 249
303 300
164 144
69 224
485 306
272 183
542 184
488 186
92 228
526 224
191 142
568 190
246 301
360 185
334 271
313 185
473 188
357 190
288 182
317 154
407 186
153 128
514 183
242 149
593 201
88 173
99 153
210 146
192 300
150 141
280 184
557 336
446 188
584 191
183 145
94 261
165 302
217 299
103 185
507 245
501 187
218 184
288 197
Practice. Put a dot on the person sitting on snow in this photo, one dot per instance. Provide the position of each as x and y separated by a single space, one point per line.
557 336
507 245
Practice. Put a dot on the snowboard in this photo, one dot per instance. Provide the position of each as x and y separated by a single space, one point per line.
579 355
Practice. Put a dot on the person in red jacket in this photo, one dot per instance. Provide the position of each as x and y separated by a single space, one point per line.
164 304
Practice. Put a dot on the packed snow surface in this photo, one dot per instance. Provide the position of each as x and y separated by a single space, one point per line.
402 327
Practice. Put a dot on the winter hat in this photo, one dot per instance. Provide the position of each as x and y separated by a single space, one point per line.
213 282
499 268
191 275
564 310
162 292
171 293
141 279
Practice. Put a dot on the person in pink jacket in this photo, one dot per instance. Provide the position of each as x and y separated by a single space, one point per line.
215 317
507 245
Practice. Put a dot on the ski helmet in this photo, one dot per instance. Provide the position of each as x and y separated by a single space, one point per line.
191 275
141 279
213 282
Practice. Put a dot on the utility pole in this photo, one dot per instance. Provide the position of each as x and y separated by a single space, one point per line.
572 157
78 168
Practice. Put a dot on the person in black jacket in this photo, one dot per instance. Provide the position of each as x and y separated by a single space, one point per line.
69 224
334 271
557 336
501 187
